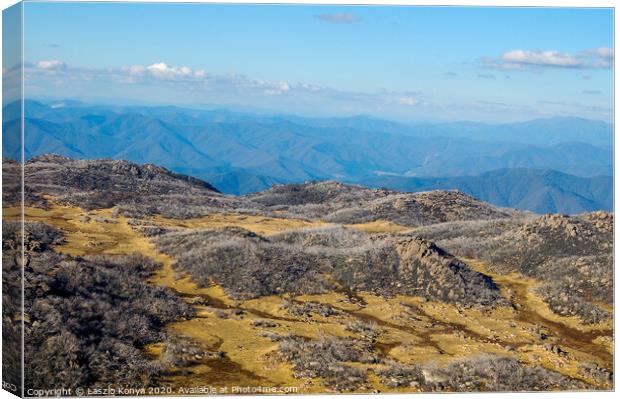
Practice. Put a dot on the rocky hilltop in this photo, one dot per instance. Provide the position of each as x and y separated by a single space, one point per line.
344 203
105 183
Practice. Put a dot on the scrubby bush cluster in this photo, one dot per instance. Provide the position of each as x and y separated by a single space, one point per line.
12 188
11 304
180 351
38 236
308 308
308 261
147 229
397 375
329 237
88 319
496 373
597 373
572 256
327 357
482 373
342 203
264 323
245 264
368 331
91 318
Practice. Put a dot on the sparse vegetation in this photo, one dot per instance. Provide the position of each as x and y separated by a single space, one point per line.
301 262
397 375
496 374
11 304
308 308
89 318
366 330
245 264
571 255
348 204
328 358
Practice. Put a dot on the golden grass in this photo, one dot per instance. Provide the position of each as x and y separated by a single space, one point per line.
256 224
411 329
516 284
379 226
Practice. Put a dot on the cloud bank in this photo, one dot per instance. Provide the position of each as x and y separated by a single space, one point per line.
599 58
52 65
162 82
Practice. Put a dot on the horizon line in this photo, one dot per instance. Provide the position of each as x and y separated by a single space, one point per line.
251 110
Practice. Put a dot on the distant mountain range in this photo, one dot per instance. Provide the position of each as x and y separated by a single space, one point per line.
541 191
538 131
241 153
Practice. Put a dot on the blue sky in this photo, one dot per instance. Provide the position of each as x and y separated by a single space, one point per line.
406 63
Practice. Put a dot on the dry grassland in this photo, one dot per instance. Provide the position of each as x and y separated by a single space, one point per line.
410 329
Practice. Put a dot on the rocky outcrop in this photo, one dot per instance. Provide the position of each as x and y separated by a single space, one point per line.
432 272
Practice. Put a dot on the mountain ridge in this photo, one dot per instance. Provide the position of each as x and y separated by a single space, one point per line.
521 188
244 153
149 189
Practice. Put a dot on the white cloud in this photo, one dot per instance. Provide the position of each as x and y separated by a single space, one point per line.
51 65
601 57
408 101
604 52
274 89
284 86
185 85
136 70
542 58
163 71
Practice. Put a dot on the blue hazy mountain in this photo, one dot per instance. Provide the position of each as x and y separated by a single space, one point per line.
541 191
538 131
241 152
547 131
